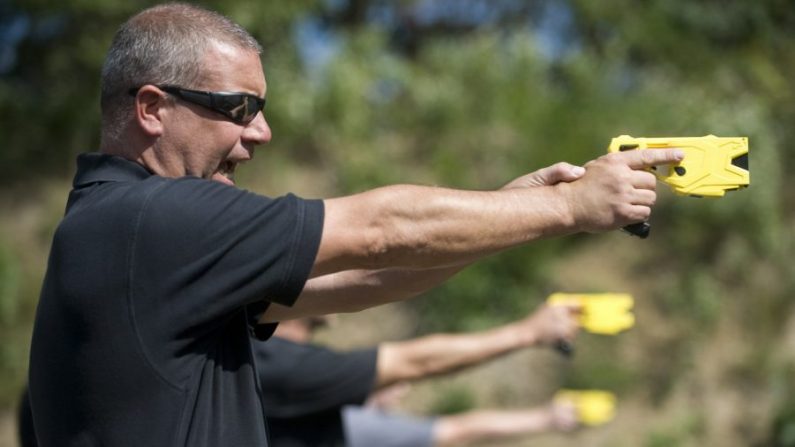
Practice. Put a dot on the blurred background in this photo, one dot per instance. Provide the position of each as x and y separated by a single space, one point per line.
470 94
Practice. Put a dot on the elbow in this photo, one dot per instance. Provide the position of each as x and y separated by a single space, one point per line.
374 232
387 246
396 365
393 236
379 250
416 369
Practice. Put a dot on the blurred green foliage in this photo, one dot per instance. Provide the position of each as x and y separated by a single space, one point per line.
452 400
473 104
783 432
686 429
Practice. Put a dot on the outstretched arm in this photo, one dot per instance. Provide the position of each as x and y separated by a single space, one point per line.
425 227
396 242
482 425
442 353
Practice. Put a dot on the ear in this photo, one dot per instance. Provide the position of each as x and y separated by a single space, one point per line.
150 109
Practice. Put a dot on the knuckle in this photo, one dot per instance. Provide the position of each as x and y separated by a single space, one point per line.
613 157
561 168
624 210
648 157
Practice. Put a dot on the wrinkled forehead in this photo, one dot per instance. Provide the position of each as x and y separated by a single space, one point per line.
228 67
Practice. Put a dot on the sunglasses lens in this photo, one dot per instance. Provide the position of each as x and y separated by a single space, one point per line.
253 105
234 106
241 108
251 109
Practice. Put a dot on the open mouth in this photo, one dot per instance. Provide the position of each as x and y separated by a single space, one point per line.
227 170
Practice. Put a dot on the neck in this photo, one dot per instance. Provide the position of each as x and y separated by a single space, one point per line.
135 147
126 145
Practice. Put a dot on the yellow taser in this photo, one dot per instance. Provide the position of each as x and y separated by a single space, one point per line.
602 313
594 407
712 165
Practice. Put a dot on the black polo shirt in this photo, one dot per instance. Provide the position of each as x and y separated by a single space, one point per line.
142 333
304 388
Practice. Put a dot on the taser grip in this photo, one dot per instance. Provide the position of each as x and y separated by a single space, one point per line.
640 229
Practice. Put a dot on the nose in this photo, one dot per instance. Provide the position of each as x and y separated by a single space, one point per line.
257 131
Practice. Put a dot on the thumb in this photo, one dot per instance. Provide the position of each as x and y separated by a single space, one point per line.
551 175
560 172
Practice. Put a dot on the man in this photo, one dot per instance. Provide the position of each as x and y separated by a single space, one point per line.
314 396
157 275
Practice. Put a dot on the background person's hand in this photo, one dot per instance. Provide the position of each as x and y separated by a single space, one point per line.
616 190
550 325
563 416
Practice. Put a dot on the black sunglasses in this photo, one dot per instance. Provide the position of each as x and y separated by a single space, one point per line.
241 108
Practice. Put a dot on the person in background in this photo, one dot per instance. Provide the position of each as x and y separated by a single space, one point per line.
315 396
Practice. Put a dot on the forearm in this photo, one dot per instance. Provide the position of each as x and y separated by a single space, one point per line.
442 353
489 425
354 290
425 227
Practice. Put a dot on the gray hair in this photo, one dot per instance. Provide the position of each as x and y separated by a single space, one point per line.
164 44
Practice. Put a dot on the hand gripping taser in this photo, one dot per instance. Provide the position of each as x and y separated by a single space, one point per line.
712 166
594 407
601 313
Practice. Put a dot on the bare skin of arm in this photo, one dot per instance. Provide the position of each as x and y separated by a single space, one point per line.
355 290
482 425
442 353
419 227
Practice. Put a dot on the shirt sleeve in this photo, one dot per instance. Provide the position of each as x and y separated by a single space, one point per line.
203 250
301 379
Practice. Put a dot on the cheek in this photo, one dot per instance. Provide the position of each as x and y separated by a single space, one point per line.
219 144
227 137
207 142
189 133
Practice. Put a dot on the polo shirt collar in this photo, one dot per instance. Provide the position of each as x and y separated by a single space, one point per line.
96 167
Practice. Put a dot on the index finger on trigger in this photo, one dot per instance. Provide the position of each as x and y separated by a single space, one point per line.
639 159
